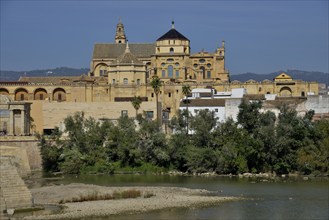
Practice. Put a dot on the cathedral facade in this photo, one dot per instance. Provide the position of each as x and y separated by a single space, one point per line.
121 70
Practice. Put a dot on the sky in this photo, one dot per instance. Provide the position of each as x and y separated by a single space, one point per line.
260 36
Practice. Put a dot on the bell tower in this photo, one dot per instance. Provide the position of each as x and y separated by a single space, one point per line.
120 37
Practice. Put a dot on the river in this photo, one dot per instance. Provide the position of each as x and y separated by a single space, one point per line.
284 198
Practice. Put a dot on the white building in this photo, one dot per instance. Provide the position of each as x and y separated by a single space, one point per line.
223 104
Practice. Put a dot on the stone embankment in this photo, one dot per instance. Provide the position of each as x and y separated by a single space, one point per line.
13 192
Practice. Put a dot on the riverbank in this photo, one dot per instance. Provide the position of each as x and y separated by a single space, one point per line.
162 198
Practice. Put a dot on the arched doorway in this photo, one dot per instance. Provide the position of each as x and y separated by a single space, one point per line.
59 95
4 91
40 94
21 94
285 92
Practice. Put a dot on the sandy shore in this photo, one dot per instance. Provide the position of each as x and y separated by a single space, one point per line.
164 197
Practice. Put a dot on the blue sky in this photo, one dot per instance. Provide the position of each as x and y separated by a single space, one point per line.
260 36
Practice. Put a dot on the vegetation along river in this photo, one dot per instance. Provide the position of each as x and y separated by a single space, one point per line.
284 198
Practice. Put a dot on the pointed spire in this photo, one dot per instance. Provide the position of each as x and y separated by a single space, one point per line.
172 24
127 48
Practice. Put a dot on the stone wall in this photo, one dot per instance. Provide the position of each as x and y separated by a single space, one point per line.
29 145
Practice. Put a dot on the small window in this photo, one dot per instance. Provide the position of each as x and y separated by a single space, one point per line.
208 65
163 73
171 50
177 91
259 89
216 109
195 65
176 64
59 97
268 93
124 113
177 73
202 60
102 72
169 60
138 81
22 96
120 42
169 94
152 94
208 74
303 94
41 96
163 64
125 81
113 81
149 114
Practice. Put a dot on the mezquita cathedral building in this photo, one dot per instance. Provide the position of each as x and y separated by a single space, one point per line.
120 71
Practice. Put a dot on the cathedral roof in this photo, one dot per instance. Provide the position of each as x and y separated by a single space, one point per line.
113 50
173 34
127 57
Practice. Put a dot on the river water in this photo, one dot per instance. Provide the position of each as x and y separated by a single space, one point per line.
286 199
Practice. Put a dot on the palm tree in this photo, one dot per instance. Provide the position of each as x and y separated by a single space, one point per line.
186 90
156 84
136 102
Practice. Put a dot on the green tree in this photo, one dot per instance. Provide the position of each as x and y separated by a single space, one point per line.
186 90
248 116
202 126
156 85
51 148
136 102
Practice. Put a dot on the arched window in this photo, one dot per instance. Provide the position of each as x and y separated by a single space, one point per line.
303 94
125 81
163 73
177 73
138 81
171 50
170 71
203 70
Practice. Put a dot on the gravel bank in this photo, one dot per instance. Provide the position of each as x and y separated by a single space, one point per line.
165 197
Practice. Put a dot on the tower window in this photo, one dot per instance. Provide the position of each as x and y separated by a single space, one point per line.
120 42
125 81
171 50
170 71
169 94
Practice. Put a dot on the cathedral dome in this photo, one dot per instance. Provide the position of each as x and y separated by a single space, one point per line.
172 34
